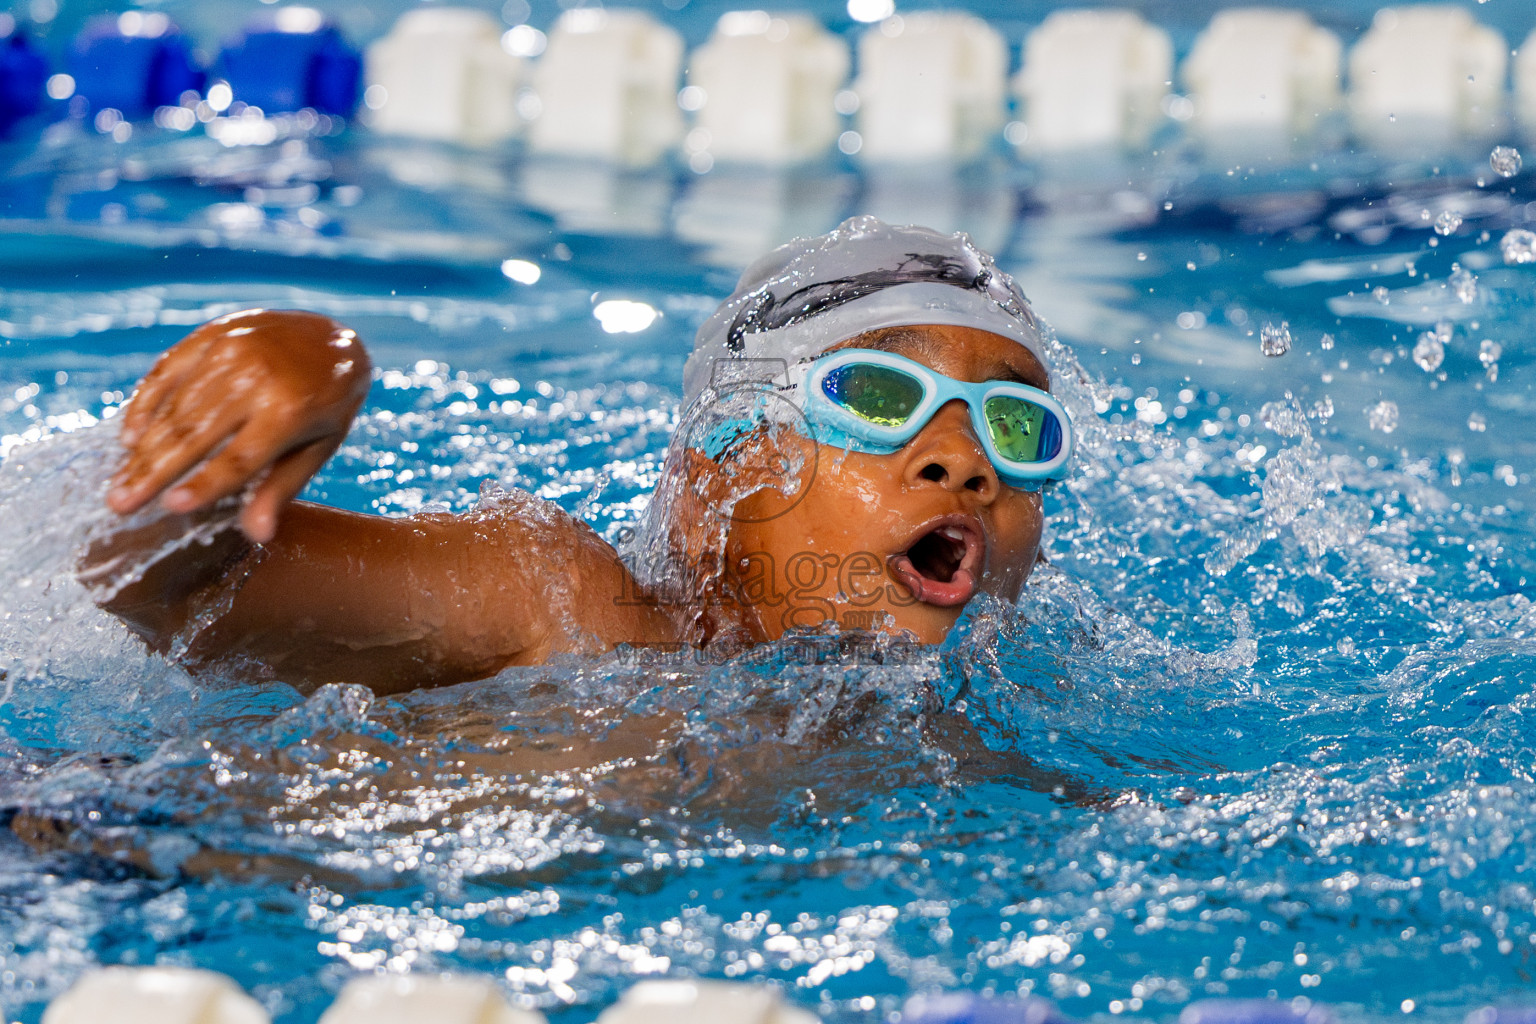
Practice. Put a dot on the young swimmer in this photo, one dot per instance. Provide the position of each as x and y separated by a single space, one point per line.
868 427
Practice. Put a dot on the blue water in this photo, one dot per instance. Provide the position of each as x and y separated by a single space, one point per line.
1261 727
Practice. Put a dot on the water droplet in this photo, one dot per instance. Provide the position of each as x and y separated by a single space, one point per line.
1323 409
1382 294
1275 341
1464 284
1345 646
1429 353
1505 160
1518 246
1326 342
1489 351
1284 418
1447 222
1477 423
1382 416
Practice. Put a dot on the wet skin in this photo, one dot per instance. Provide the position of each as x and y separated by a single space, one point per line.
254 403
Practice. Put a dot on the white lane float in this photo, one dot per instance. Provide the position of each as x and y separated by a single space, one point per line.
443 73
1428 70
607 87
1259 68
1525 84
415 999
1093 78
686 1001
155 995
763 89
931 87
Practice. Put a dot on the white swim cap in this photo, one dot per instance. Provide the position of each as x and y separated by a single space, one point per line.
808 295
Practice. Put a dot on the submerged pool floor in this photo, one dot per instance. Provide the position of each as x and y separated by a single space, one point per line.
1263 725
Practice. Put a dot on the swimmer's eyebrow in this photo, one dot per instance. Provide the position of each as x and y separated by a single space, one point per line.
1009 372
890 339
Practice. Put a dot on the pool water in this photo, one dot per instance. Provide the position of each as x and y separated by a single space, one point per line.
1263 726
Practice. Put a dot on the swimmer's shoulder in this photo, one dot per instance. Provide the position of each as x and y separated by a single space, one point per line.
592 599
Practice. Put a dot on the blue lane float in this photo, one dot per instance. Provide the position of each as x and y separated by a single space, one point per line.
23 74
965 1008
133 63
1255 1011
293 61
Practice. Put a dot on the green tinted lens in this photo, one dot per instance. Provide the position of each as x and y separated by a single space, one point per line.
880 394
1021 430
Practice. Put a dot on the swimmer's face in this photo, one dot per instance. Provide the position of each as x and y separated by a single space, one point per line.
912 535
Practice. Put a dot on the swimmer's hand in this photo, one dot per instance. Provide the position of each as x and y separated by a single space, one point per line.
260 398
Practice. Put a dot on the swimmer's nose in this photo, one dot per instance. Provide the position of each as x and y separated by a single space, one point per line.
947 453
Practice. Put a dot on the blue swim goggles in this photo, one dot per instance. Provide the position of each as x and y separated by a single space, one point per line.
869 401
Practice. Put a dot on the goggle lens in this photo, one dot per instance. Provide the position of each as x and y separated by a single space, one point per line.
881 395
1021 430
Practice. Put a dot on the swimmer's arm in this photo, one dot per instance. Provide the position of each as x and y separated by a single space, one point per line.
244 410
398 603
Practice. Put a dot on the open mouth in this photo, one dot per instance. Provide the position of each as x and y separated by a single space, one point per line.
942 565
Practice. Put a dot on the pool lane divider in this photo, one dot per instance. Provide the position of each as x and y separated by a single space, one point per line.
133 63
23 73
692 1001
965 1008
155 995
291 59
183 995
615 85
419 999
136 63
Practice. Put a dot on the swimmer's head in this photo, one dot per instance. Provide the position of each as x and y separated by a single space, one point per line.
811 294
897 537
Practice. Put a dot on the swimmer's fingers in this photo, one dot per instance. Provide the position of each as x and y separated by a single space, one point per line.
162 381
260 445
288 476
166 450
